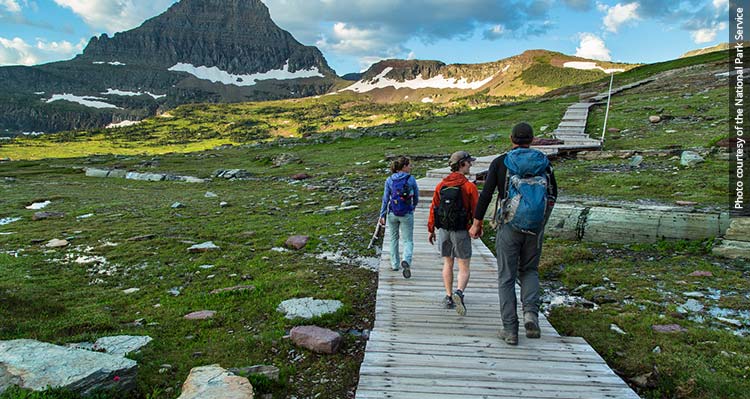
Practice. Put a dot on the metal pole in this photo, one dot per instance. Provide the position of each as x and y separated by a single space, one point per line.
609 97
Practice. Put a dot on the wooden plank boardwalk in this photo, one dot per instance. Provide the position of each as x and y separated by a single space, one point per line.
417 349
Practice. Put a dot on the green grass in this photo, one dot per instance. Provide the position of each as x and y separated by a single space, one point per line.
546 75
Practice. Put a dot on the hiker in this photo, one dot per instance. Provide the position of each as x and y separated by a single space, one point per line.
400 198
451 211
527 191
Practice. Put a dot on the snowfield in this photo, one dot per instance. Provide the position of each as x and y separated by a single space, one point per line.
435 82
216 75
88 101
589 65
131 93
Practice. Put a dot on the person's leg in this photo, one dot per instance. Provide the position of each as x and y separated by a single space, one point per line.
393 226
507 250
448 275
463 273
528 275
462 245
407 234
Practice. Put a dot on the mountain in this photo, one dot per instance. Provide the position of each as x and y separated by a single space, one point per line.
705 50
532 73
196 51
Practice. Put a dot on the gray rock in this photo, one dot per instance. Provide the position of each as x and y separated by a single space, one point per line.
200 315
316 339
223 204
178 205
690 306
668 328
636 161
204 247
190 179
214 382
209 194
118 345
654 119
96 172
118 173
145 176
56 243
38 365
307 308
232 289
270 372
47 215
690 158
617 329
693 294
297 242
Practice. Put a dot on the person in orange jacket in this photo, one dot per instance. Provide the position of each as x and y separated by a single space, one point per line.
451 213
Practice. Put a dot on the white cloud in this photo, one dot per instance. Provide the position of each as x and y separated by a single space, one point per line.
592 47
620 14
721 4
11 5
115 15
494 32
707 35
17 52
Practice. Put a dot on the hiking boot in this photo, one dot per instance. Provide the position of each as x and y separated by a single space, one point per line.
531 324
510 336
407 270
458 298
448 302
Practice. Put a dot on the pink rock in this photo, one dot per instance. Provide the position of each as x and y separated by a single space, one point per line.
701 273
200 315
235 288
297 242
668 328
613 130
685 203
301 176
316 339
543 141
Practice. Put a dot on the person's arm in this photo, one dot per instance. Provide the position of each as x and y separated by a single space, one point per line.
495 175
415 190
384 202
431 219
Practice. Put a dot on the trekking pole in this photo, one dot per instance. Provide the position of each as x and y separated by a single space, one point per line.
377 228
609 97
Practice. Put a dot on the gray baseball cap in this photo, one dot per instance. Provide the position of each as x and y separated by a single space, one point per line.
459 156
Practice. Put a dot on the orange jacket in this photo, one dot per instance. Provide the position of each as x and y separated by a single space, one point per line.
468 190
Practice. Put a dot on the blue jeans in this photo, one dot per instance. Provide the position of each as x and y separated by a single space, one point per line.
406 226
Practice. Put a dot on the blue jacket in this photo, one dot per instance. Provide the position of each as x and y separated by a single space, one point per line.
387 192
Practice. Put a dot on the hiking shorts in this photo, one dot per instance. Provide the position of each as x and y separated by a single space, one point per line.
454 244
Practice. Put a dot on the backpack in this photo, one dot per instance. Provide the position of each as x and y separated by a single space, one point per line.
525 203
401 196
450 212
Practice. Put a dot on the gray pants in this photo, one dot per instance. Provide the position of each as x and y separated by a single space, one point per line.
517 258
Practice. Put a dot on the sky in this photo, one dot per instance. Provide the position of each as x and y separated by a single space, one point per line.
353 34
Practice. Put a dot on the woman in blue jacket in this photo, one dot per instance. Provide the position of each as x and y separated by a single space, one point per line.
400 198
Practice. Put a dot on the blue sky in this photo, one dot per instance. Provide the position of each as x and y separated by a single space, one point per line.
352 34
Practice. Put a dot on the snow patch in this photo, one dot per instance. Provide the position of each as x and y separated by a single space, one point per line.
38 92
506 67
132 93
88 101
427 100
435 82
370 263
115 63
122 124
4 221
38 205
216 75
589 65
32 133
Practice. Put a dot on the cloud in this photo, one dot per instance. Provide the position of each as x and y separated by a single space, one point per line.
11 5
494 32
620 14
381 28
579 5
17 52
115 15
707 35
592 47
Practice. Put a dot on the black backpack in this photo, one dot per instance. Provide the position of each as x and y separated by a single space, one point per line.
450 212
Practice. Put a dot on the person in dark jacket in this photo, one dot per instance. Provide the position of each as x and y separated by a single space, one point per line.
518 252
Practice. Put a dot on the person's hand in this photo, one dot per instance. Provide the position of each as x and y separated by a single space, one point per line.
431 238
381 221
476 230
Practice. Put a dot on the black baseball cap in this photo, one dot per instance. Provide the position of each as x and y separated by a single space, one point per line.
522 133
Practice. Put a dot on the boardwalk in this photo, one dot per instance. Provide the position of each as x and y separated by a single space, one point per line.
419 350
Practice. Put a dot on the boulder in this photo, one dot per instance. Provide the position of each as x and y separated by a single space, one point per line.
636 161
119 173
204 247
177 205
270 372
210 194
200 315
118 345
96 172
668 328
301 176
297 242
307 308
47 215
316 339
38 365
690 158
214 382
56 243
654 119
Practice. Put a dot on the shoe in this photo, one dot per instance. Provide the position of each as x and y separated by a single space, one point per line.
458 298
510 336
448 302
531 324
407 269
